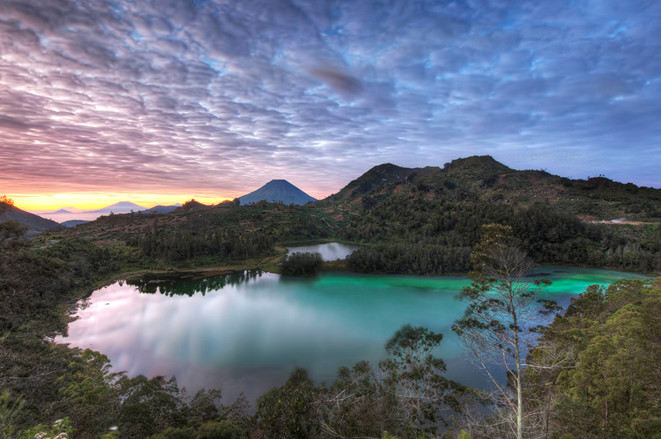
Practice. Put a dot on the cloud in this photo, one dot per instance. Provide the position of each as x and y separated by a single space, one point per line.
217 97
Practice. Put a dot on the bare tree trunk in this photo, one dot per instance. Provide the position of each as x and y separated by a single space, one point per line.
519 391
519 405
517 360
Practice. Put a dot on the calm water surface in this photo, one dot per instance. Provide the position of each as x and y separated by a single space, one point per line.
244 333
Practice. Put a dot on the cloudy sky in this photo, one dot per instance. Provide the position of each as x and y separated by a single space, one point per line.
164 100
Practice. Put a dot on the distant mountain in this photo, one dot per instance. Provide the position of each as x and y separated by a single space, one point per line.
161 209
121 207
71 213
277 191
34 223
73 223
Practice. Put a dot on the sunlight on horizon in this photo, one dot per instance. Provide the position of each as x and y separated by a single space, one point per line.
92 201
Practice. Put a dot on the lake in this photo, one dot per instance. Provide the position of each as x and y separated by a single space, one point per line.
246 332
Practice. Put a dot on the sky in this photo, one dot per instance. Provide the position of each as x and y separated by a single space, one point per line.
162 101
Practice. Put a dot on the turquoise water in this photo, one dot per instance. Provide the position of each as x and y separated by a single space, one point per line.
245 333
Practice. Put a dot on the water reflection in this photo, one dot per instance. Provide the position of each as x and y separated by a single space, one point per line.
244 333
331 251
181 284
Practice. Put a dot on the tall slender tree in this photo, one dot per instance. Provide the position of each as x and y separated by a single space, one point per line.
501 310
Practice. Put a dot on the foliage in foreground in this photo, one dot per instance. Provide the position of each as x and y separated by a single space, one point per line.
595 371
407 395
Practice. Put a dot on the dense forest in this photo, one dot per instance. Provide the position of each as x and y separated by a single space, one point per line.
435 237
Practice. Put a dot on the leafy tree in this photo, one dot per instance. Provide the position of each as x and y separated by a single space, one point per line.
10 234
408 395
425 395
358 404
609 385
301 264
89 395
495 326
149 406
287 412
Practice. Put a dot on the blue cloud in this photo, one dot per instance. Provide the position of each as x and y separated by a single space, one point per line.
219 96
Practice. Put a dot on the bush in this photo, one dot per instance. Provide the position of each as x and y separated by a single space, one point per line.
301 264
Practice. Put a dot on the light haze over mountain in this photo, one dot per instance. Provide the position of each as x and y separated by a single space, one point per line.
68 214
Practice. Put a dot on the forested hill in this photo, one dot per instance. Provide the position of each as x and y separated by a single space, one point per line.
33 223
425 220
483 179
417 221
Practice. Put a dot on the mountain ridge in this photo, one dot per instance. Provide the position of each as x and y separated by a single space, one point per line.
483 179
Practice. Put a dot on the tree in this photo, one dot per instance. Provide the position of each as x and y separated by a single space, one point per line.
301 264
610 387
11 233
287 412
416 376
496 324
7 201
408 395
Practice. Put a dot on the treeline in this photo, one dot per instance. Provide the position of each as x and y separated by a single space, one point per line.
177 245
417 258
415 235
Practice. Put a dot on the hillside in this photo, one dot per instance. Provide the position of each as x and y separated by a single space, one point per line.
277 191
34 223
426 220
418 221
73 223
161 209
483 179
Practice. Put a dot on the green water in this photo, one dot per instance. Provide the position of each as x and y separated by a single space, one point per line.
245 333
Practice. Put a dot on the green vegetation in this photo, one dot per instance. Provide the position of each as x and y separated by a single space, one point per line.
43 382
301 264
613 332
594 372
407 235
407 395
